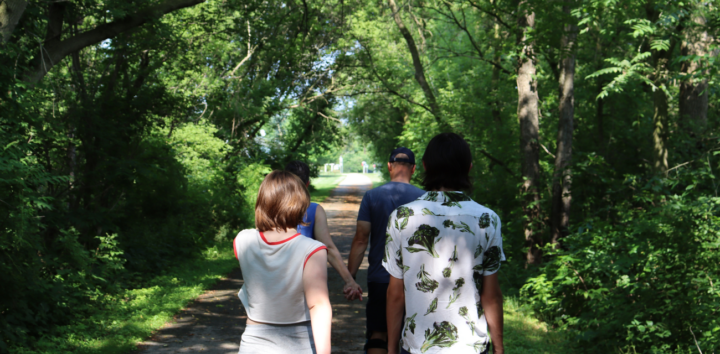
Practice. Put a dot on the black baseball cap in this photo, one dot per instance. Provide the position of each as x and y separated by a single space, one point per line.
402 150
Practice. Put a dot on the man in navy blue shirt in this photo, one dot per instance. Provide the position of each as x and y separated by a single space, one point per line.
375 209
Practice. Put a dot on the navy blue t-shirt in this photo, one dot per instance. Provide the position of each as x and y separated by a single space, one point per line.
376 207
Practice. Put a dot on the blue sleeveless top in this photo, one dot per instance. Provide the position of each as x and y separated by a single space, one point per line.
309 218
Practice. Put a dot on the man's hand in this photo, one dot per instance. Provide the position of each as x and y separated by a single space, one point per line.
352 291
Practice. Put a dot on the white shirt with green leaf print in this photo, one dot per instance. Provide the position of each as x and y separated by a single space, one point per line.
442 245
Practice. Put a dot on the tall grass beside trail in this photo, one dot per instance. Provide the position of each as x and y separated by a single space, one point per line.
124 319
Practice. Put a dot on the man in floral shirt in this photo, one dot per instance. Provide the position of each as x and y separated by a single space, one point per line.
443 252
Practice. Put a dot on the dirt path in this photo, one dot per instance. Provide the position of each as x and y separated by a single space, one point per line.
214 322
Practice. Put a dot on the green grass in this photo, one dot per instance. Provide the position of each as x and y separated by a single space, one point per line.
123 320
376 178
523 333
323 185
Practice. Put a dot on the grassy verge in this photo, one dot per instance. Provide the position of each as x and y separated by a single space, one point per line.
123 320
323 185
376 178
523 333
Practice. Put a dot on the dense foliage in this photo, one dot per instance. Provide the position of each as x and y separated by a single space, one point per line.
633 267
141 149
640 272
134 135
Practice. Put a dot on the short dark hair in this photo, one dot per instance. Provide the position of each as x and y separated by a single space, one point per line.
281 202
300 169
447 161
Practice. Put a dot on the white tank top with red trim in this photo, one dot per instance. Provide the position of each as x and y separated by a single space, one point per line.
272 272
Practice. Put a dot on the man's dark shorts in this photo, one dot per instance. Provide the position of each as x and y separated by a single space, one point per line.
375 310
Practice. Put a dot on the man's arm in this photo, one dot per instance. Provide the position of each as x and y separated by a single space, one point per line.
359 246
492 303
322 234
394 310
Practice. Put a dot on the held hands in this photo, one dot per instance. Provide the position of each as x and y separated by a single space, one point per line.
352 291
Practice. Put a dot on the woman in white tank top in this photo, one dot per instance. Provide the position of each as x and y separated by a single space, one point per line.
285 290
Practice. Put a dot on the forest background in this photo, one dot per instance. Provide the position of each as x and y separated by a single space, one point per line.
134 135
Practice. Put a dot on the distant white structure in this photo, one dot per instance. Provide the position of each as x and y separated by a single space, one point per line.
334 166
341 165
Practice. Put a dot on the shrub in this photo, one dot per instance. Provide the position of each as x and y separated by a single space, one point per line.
642 276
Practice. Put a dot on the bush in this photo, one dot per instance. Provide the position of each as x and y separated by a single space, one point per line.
642 276
172 197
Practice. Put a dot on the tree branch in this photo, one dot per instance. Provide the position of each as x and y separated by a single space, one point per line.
387 87
417 64
495 160
499 20
251 49
57 50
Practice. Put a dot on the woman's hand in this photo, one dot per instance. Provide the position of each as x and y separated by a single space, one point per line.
352 290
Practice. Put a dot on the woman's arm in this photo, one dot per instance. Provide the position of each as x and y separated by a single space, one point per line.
318 300
322 233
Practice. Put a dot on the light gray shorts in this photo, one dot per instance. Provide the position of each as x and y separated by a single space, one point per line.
272 339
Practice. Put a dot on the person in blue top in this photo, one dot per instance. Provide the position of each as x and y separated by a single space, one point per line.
317 229
375 209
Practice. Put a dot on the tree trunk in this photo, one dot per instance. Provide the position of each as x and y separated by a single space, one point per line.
660 114
495 80
660 131
527 112
599 117
417 64
693 92
660 61
494 94
560 211
10 13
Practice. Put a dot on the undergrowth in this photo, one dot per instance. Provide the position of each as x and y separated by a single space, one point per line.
523 333
118 322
